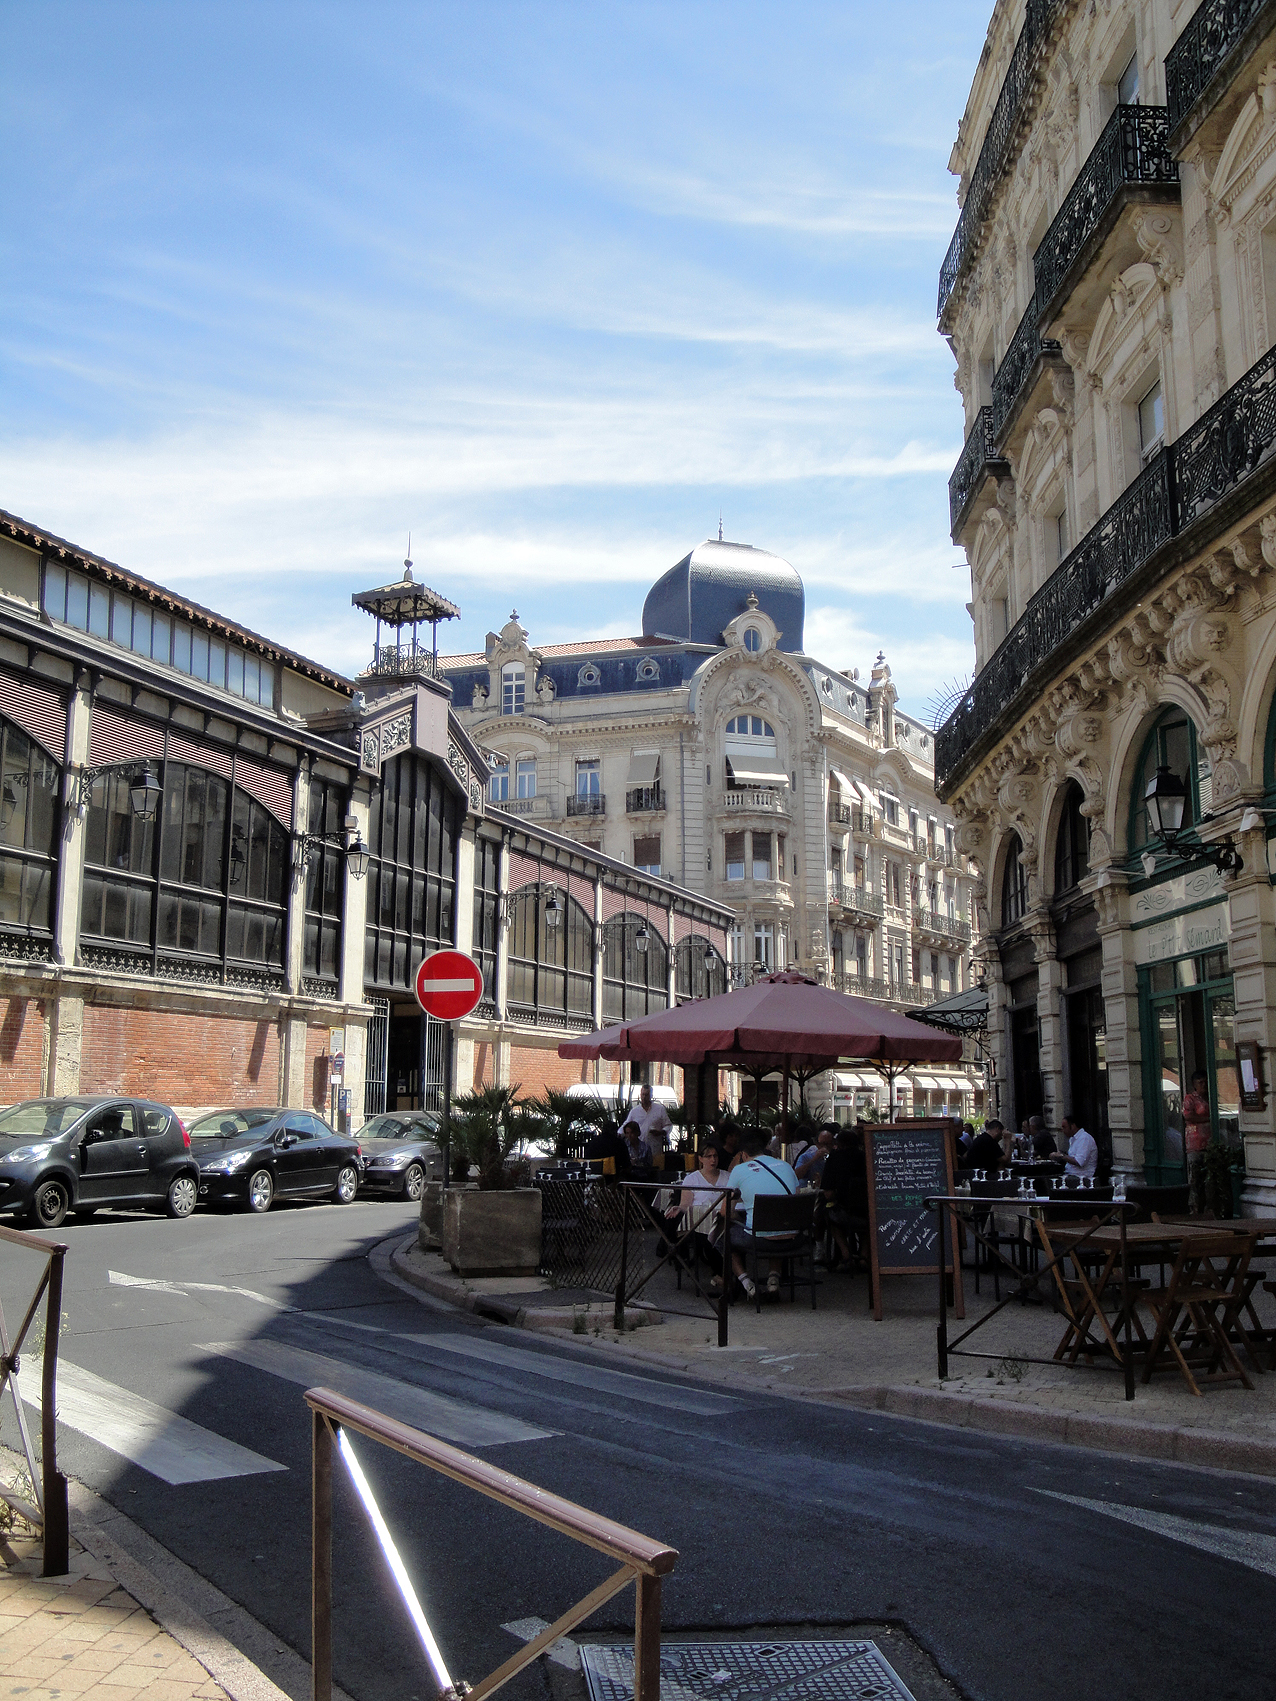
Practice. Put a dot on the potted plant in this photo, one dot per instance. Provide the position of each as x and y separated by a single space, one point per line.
493 1229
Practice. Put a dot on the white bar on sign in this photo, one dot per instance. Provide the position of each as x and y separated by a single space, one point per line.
468 985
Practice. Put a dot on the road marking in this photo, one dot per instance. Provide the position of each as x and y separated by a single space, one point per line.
594 1376
1245 1547
185 1289
437 1414
168 1446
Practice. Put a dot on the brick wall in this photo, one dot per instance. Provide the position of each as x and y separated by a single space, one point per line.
179 1057
318 1066
532 1069
22 1039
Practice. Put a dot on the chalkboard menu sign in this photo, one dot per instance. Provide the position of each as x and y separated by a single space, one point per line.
908 1163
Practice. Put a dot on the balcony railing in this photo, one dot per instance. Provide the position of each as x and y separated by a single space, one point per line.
539 808
761 801
997 151
977 461
402 660
1133 153
1211 45
1179 487
594 803
946 926
865 986
644 800
852 897
1019 362
858 820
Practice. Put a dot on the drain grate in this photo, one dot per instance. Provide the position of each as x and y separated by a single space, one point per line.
749 1671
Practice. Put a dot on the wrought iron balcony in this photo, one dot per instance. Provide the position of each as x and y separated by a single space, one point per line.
644 800
1179 488
1130 161
997 152
978 461
593 803
942 926
1018 368
865 986
1215 42
849 896
401 661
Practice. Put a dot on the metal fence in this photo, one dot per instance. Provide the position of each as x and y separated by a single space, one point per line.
46 1510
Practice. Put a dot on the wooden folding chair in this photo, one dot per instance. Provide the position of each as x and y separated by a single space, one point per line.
1196 1296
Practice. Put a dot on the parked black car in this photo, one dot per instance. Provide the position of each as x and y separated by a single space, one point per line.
76 1154
398 1151
247 1157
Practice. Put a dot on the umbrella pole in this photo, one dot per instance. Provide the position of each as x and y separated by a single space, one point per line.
784 1113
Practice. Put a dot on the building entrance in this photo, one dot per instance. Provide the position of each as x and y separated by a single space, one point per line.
1188 1012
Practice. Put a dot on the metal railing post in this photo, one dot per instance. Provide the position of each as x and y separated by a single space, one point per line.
56 1532
321 1561
618 1316
647 1638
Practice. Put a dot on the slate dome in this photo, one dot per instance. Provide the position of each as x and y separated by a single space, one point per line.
707 589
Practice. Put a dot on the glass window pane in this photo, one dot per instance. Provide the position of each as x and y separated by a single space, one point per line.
161 638
217 661
55 590
122 620
252 678
141 629
199 654
235 672
99 610
77 601
181 647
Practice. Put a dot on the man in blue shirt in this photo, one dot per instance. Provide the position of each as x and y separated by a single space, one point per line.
757 1174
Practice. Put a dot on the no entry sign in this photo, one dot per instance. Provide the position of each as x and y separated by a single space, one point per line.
448 985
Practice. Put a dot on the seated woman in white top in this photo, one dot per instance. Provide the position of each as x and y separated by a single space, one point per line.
702 1210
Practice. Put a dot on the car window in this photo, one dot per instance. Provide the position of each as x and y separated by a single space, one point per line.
41 1116
154 1120
220 1123
318 1127
299 1127
112 1122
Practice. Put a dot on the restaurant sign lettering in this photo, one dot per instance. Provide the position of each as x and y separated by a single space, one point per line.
1189 934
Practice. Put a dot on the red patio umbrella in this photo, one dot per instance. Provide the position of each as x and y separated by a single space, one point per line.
783 1021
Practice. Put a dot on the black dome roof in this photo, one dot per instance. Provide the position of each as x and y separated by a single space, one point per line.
699 597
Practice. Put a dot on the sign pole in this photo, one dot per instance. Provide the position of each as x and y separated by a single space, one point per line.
449 1048
448 986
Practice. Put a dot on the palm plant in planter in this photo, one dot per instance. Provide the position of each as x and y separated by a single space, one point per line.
496 1229
487 1128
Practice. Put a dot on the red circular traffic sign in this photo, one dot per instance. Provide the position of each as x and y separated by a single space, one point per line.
448 985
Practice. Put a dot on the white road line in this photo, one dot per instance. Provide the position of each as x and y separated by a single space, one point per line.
1245 1547
570 1370
185 1289
437 1414
168 1446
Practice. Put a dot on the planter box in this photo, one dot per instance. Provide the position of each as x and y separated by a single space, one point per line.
492 1234
430 1232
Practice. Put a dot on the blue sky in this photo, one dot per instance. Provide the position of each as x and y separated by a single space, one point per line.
550 286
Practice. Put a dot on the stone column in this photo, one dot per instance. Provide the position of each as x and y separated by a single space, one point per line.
1124 1042
1049 1021
66 1032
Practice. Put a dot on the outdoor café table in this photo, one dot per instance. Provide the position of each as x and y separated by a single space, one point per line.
1112 1214
1195 1288
1264 1229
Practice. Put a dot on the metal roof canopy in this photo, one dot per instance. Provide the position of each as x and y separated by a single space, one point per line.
406 603
963 1013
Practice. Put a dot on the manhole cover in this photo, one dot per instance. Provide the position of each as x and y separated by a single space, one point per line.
749 1671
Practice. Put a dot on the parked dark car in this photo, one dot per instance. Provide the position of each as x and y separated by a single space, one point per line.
77 1154
399 1150
249 1157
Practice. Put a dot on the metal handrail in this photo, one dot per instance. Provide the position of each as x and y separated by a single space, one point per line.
48 1511
643 1560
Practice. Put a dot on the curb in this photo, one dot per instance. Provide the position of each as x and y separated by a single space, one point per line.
454 1290
1208 1449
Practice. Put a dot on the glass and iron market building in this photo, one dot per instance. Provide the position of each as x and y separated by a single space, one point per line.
1110 298
220 863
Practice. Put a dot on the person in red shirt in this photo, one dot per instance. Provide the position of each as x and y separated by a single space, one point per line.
1196 1137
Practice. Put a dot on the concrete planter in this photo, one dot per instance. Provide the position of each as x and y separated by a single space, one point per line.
430 1232
492 1234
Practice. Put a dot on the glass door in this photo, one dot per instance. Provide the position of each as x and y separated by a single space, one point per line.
1225 1089
1168 1091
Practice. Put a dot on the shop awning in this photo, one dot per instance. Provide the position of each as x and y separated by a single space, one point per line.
926 1083
866 796
643 767
757 771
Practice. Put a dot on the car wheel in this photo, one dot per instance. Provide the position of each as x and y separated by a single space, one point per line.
50 1204
182 1194
414 1182
261 1190
347 1184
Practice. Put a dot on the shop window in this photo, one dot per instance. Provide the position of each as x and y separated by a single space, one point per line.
1014 884
551 954
635 968
1072 845
699 970
325 882
30 782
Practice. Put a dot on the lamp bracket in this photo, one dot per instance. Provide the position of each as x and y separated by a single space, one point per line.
305 843
541 888
86 778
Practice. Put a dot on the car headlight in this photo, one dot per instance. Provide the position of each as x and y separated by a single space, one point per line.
26 1154
227 1164
395 1160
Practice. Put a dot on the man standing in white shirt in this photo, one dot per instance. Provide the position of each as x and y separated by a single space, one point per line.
650 1119
1083 1153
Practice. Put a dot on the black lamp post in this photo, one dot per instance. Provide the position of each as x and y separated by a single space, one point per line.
1166 798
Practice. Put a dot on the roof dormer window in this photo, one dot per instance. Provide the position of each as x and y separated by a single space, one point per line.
752 640
513 688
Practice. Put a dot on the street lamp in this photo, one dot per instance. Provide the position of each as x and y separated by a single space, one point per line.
358 855
553 908
1166 798
145 791
144 794
642 938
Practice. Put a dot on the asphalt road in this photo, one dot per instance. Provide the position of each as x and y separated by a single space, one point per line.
1023 1569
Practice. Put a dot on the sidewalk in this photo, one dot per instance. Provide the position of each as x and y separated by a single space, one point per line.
128 1621
838 1353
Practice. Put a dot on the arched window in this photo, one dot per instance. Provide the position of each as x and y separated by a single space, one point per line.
1170 744
699 970
752 640
635 980
30 783
325 883
413 828
551 961
1072 847
206 880
513 688
750 726
1014 884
